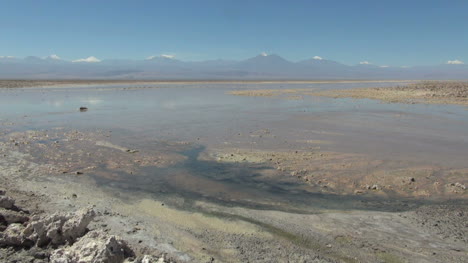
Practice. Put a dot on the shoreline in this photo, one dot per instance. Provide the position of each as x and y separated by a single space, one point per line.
12 83
455 93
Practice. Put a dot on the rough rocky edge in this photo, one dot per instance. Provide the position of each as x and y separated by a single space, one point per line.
59 238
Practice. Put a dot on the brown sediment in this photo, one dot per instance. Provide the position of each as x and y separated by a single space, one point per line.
356 174
74 152
425 92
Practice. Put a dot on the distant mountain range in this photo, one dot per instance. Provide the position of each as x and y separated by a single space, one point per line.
261 67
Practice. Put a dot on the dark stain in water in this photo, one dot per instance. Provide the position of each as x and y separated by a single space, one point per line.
240 184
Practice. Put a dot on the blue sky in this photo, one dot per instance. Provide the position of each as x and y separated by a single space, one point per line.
383 32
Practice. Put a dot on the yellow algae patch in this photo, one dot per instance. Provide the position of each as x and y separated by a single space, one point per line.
193 220
191 229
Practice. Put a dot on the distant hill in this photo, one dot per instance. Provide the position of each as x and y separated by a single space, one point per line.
262 66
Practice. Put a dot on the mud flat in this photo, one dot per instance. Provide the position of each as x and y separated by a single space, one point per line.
355 174
424 92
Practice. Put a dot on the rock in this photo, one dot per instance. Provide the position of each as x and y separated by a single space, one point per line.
94 247
56 229
76 224
2 192
10 216
39 253
7 202
12 236
151 259
459 185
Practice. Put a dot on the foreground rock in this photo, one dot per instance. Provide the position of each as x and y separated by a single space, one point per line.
57 229
96 246
59 238
8 217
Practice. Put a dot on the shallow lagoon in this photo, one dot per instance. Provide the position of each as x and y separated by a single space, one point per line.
205 117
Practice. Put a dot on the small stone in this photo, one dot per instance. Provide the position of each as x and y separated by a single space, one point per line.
7 202
459 185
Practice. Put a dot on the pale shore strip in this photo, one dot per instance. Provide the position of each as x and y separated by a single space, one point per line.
73 83
426 92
